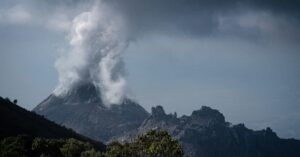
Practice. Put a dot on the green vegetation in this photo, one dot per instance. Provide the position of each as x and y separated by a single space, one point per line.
152 144
25 146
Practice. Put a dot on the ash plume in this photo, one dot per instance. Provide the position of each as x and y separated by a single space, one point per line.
97 41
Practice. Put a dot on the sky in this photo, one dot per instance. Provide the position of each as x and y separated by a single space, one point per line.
240 57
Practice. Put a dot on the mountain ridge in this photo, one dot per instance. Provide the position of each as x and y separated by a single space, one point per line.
206 133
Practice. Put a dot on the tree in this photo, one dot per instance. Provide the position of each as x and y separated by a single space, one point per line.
74 148
152 144
15 146
47 147
91 153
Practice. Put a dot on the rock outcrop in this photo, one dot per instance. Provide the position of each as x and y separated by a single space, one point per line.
205 133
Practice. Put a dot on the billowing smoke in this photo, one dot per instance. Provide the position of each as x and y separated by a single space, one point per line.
97 41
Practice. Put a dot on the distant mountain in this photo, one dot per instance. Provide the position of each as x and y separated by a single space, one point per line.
206 134
15 121
83 110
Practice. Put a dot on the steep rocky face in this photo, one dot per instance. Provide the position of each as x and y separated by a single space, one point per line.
83 110
206 134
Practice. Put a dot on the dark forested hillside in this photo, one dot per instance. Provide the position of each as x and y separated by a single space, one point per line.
15 121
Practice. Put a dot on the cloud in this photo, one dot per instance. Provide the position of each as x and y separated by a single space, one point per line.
185 18
201 18
51 15
59 22
259 26
15 15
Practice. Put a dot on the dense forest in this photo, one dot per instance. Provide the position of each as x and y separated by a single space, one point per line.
152 144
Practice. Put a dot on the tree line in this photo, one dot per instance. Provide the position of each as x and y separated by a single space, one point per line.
152 144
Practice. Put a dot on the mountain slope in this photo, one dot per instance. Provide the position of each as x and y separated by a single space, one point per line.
83 110
15 120
206 133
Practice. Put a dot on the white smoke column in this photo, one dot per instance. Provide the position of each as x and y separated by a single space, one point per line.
97 40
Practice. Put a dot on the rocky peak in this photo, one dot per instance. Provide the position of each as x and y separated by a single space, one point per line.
207 113
158 111
83 93
270 133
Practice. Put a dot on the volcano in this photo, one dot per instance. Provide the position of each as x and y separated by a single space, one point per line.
83 110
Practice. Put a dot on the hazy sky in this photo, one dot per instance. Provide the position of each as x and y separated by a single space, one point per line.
240 57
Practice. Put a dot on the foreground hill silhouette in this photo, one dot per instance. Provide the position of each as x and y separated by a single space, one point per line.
15 121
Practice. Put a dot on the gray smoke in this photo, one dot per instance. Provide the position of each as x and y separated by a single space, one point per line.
97 40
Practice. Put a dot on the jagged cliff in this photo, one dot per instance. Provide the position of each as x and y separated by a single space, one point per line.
205 133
